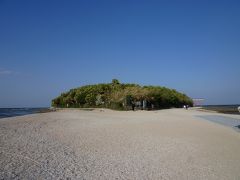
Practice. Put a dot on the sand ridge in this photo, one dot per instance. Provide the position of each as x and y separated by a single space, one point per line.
106 144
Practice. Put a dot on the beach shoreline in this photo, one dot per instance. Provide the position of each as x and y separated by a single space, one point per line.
224 109
107 144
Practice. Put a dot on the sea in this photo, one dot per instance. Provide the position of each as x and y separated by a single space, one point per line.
227 109
233 121
11 112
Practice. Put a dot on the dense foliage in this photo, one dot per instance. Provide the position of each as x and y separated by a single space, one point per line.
120 96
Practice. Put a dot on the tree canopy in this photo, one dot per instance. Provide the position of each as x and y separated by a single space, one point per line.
116 95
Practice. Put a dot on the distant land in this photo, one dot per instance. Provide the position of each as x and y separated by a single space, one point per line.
119 96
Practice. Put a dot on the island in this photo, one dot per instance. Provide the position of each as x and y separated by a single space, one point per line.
120 96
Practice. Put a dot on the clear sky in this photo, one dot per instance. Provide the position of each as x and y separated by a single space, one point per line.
50 46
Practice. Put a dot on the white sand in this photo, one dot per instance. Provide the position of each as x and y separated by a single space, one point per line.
76 144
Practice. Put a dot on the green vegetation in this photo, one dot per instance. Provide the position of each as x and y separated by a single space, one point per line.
120 96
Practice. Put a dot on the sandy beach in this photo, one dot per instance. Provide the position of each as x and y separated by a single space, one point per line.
106 144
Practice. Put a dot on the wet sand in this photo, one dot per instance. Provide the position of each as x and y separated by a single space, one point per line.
105 144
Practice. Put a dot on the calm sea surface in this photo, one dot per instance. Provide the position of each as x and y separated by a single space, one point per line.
11 112
223 120
228 109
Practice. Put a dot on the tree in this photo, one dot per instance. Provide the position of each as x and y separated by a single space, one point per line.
115 82
90 99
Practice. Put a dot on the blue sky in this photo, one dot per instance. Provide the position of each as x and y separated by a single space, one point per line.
47 47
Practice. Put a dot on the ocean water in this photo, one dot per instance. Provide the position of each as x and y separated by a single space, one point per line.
223 120
11 112
227 109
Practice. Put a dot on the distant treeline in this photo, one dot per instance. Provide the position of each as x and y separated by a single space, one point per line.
121 96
